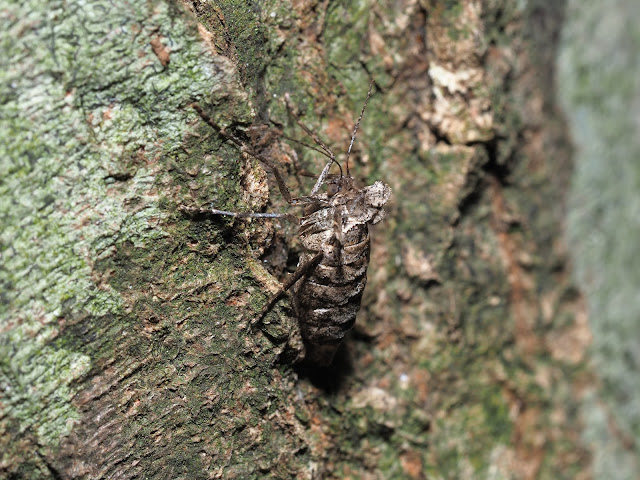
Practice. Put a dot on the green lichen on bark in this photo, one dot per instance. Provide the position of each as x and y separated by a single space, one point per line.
92 120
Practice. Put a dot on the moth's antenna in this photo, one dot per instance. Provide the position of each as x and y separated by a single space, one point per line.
355 129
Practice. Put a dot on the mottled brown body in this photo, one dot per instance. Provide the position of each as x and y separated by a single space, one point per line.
327 298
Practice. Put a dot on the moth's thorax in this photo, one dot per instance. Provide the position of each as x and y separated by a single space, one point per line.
332 220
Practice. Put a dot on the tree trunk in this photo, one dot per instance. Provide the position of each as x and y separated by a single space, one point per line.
126 344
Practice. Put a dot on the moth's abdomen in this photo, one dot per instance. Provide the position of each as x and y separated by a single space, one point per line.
328 299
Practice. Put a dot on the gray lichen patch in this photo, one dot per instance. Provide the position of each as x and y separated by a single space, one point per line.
598 86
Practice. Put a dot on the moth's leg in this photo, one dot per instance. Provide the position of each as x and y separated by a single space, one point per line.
290 282
286 216
193 211
327 151
308 131
321 179
245 149
299 142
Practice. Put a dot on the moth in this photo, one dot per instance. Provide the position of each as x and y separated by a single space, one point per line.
334 231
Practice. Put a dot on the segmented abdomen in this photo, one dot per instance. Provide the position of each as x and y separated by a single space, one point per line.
327 299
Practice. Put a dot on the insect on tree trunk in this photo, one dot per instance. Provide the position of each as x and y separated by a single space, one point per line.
332 271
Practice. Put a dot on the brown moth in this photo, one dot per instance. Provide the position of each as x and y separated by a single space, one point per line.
334 232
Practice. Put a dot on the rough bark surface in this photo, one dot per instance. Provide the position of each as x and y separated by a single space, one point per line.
125 350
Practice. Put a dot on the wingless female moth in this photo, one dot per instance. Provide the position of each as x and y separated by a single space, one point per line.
334 231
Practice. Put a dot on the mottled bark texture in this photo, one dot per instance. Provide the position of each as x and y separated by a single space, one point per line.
125 347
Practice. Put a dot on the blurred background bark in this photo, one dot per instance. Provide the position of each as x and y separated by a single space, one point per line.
599 88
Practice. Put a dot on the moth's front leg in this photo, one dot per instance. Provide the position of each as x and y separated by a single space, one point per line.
301 271
295 350
192 211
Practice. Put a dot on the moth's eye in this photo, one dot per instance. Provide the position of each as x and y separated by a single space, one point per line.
332 189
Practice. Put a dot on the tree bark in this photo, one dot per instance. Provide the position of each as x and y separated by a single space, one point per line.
126 349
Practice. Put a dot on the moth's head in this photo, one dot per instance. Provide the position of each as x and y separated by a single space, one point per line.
377 195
